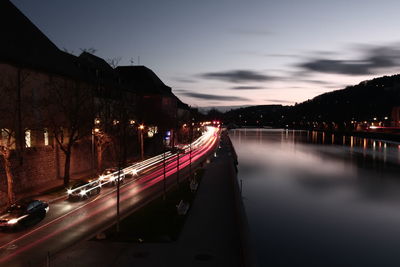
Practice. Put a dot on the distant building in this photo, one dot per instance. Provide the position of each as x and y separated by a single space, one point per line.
156 104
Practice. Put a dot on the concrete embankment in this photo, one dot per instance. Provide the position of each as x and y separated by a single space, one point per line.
247 251
215 232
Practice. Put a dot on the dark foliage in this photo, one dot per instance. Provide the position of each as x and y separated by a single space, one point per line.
365 101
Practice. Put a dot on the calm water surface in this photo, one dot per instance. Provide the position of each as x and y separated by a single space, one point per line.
314 199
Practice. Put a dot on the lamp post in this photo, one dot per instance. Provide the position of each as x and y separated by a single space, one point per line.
177 166
95 132
164 180
93 149
120 157
190 151
141 127
118 197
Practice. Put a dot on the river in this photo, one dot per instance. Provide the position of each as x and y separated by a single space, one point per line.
316 199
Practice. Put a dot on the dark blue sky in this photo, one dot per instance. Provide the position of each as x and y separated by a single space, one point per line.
231 52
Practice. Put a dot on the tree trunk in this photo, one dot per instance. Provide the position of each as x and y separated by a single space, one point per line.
20 132
124 148
10 178
67 167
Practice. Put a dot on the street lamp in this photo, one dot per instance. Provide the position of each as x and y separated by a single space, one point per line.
165 181
190 151
177 166
141 127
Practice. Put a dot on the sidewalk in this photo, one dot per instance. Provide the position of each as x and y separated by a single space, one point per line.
211 236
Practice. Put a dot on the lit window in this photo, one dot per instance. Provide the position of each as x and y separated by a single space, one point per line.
28 138
152 130
46 137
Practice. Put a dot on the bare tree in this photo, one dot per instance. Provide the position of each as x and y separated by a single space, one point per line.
8 142
103 141
90 50
71 116
66 50
11 129
113 62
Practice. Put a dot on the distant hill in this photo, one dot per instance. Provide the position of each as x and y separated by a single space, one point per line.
369 99
204 110
267 115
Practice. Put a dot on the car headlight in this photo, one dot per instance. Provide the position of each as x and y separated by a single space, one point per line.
13 221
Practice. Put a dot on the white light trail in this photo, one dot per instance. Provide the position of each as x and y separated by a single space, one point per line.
136 168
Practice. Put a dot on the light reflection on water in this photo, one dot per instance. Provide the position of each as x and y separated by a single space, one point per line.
316 199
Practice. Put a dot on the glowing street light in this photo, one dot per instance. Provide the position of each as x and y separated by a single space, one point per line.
141 127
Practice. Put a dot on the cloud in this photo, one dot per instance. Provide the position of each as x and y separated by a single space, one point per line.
372 59
283 55
215 97
237 76
279 101
338 66
319 82
247 88
183 80
177 89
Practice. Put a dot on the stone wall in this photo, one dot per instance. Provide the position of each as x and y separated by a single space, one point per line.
40 166
43 167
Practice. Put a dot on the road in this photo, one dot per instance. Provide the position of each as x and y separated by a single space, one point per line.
70 222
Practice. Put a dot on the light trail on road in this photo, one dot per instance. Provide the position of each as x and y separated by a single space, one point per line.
81 220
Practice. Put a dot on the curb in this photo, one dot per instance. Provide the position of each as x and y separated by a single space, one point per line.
249 258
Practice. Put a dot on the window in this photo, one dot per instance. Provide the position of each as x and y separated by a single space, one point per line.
28 139
152 130
46 137
33 205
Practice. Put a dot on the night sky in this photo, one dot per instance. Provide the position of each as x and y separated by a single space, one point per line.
228 52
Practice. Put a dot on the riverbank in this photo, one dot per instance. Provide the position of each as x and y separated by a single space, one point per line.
214 232
390 137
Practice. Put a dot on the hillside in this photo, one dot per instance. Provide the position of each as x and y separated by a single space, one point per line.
367 100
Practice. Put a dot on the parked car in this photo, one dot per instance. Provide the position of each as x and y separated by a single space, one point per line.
23 213
84 189
110 176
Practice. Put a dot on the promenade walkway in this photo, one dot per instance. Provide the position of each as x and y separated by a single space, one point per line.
211 235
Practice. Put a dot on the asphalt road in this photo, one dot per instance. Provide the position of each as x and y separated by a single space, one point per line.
70 222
